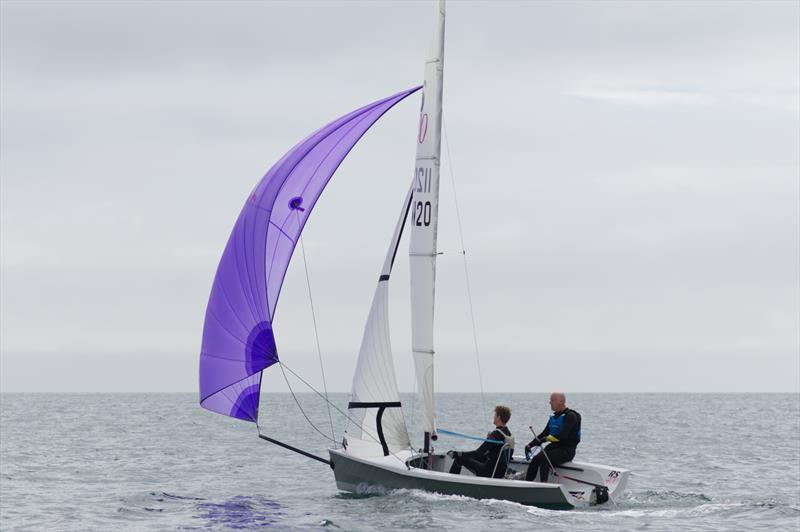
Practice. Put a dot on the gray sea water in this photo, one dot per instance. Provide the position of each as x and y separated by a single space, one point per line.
160 462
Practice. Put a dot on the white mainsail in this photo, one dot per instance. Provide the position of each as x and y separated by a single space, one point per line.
424 222
375 401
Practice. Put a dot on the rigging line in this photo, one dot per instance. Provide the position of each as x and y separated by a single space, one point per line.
466 270
467 436
300 407
316 334
356 423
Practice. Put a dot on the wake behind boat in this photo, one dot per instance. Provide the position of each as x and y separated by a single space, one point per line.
239 341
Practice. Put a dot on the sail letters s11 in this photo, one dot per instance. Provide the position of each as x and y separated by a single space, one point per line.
422 209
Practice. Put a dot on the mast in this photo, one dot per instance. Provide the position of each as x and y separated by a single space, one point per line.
424 223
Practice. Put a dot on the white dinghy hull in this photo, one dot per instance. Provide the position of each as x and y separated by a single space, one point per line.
379 474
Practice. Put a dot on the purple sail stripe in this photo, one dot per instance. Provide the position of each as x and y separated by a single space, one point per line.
343 132
316 169
222 325
250 239
245 264
240 305
233 310
281 230
222 357
238 338
330 151
246 403
279 247
345 148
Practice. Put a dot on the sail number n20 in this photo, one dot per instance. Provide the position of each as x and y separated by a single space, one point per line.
422 213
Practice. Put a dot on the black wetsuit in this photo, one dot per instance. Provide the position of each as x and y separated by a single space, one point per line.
482 460
559 451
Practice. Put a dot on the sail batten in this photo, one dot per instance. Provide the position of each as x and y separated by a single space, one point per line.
238 339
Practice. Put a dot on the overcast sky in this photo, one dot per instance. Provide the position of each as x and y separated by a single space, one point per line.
628 176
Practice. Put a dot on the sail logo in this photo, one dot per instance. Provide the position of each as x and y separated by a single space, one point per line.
423 127
423 179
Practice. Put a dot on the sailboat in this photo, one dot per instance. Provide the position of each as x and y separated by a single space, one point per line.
239 341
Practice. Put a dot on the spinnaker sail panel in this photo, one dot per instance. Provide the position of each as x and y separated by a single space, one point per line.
425 221
238 339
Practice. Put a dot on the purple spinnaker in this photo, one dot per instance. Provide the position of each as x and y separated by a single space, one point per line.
238 340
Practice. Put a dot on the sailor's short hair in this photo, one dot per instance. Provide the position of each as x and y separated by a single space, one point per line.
503 412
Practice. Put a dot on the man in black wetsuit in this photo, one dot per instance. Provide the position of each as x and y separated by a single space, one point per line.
487 458
563 431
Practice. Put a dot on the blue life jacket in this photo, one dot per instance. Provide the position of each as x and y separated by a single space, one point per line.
556 425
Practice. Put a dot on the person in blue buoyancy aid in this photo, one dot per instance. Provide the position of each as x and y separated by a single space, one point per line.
563 432
491 458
